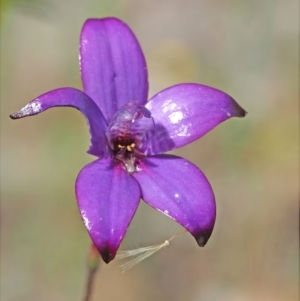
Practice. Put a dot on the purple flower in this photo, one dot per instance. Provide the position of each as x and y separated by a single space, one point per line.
129 135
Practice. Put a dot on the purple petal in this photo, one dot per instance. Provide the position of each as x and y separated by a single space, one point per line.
107 198
113 67
180 190
185 112
70 97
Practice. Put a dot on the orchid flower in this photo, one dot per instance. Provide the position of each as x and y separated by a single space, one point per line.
130 134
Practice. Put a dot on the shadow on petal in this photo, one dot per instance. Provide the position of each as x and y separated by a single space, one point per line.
158 140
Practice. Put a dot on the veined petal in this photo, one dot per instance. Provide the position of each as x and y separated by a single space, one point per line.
107 198
185 112
113 67
70 97
177 188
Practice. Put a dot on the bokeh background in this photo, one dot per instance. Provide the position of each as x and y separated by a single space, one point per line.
249 49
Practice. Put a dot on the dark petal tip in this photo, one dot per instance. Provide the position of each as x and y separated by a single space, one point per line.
202 238
240 112
243 113
107 255
15 115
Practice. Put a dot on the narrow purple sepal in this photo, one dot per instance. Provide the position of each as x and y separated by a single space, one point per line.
113 67
70 97
185 112
177 188
107 198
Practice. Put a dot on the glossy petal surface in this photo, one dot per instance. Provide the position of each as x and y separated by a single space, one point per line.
185 112
180 190
107 198
70 97
113 67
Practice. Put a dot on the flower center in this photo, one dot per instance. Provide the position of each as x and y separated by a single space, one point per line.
127 133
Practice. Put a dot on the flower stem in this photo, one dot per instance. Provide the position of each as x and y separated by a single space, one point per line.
93 261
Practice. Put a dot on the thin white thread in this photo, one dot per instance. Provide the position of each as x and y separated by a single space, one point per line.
142 253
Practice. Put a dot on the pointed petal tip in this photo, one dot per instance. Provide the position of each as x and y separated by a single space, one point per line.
203 238
240 112
107 254
20 114
107 251
233 109
244 113
32 108
15 116
201 241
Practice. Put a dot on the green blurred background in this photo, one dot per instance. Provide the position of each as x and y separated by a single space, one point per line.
246 48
